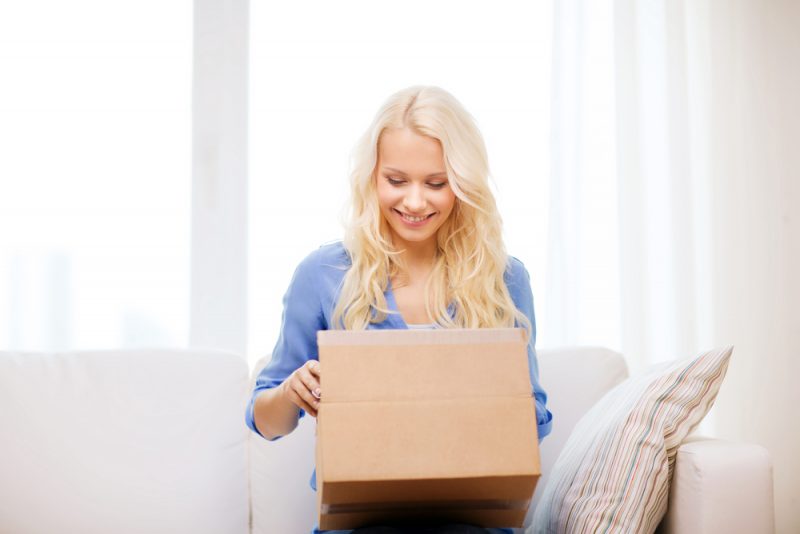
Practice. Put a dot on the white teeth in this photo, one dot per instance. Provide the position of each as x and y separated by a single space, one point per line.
413 219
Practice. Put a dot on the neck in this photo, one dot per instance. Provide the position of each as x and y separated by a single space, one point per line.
418 257
419 260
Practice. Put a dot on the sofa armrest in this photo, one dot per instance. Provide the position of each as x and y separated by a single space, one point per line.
720 486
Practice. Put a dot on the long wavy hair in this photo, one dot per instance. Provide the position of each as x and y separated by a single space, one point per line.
465 288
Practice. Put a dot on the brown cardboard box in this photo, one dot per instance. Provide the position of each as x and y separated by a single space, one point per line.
425 426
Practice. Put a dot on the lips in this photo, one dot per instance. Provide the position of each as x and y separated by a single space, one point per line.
414 219
413 223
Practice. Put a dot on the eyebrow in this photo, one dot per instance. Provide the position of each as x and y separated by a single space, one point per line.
398 171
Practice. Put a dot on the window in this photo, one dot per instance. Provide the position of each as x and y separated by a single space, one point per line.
95 193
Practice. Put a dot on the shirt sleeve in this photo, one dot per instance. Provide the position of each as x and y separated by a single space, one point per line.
297 343
520 288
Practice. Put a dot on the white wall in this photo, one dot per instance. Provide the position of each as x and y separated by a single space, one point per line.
755 61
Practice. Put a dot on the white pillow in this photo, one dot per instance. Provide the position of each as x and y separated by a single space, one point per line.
614 471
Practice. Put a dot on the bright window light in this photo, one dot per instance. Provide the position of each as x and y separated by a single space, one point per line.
95 184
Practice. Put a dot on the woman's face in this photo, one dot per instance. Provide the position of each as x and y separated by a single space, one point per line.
413 192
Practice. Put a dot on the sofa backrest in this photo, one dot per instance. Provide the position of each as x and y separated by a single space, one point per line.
124 441
283 501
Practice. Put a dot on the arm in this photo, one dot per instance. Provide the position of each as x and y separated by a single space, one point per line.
519 285
270 413
720 486
273 414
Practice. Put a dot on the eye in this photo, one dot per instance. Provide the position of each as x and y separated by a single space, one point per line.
394 181
438 185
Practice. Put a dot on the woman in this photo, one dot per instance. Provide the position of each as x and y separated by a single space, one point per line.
423 249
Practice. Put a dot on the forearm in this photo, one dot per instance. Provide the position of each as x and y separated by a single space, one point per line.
274 414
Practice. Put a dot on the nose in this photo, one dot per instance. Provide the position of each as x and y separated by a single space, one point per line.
414 201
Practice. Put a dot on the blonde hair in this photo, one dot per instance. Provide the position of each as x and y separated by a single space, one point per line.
471 258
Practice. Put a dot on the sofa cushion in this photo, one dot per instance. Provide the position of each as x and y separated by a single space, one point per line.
280 473
123 441
613 473
575 378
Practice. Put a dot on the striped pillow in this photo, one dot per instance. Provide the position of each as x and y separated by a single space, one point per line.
614 471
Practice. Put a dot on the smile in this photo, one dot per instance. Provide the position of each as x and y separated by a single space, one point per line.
412 219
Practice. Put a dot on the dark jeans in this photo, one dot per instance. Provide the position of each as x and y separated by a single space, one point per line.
450 528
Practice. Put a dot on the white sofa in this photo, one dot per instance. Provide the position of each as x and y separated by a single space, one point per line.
154 441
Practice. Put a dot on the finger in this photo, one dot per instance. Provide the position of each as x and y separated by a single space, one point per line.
314 367
305 400
303 404
294 387
312 386
310 380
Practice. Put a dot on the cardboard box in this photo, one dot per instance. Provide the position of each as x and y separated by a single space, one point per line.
425 426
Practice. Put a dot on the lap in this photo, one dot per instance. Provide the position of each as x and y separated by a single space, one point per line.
450 528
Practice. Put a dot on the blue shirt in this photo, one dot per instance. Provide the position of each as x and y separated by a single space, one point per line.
308 307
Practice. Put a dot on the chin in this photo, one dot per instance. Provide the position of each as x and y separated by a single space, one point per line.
412 237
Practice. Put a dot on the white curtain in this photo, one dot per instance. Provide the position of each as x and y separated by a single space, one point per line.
628 203
582 304
664 210
673 203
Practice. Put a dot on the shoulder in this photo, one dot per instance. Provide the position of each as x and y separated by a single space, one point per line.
518 282
327 255
516 274
316 279
323 270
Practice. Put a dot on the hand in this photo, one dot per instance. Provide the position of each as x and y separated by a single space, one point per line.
302 387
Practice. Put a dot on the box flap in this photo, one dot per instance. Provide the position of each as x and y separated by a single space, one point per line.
488 362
